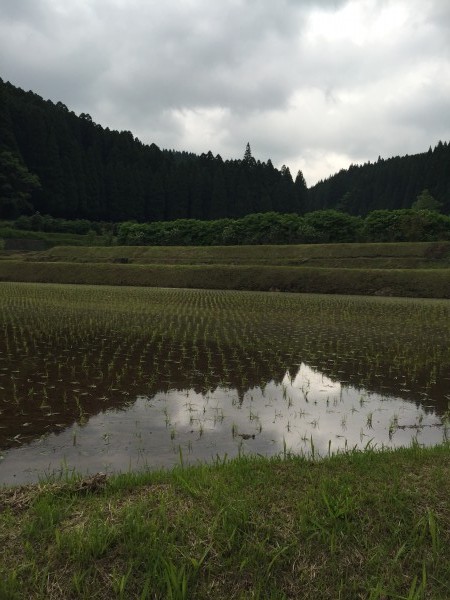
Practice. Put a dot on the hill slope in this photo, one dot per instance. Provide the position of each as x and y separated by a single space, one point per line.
58 163
387 184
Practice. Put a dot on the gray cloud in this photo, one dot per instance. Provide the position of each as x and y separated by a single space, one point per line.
25 11
312 84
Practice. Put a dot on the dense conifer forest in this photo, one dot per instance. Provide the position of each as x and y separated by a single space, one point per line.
57 163
391 184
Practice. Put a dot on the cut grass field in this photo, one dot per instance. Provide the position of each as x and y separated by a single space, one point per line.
371 525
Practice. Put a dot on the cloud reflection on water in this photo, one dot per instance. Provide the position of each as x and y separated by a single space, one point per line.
307 411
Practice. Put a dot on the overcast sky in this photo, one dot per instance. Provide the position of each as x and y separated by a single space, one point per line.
313 84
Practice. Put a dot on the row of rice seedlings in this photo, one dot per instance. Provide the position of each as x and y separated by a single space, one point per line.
68 352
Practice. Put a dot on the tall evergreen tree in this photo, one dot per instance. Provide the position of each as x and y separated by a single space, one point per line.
248 158
301 192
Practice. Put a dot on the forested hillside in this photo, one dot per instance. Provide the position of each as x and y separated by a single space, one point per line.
390 184
57 163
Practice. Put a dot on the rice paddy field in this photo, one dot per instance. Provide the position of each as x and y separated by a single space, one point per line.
121 378
283 418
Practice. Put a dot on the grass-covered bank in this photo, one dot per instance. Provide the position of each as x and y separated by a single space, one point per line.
420 283
404 255
360 525
416 269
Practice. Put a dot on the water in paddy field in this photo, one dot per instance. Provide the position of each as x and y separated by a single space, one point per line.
306 414
98 379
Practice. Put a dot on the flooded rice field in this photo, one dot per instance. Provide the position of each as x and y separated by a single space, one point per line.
115 379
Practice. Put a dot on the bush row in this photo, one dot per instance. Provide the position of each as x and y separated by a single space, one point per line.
327 226
323 226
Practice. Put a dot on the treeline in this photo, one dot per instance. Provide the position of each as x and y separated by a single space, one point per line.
55 162
387 184
328 226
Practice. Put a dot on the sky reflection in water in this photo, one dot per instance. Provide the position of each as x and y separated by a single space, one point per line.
308 413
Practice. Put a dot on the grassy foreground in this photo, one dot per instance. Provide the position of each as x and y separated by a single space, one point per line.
361 525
